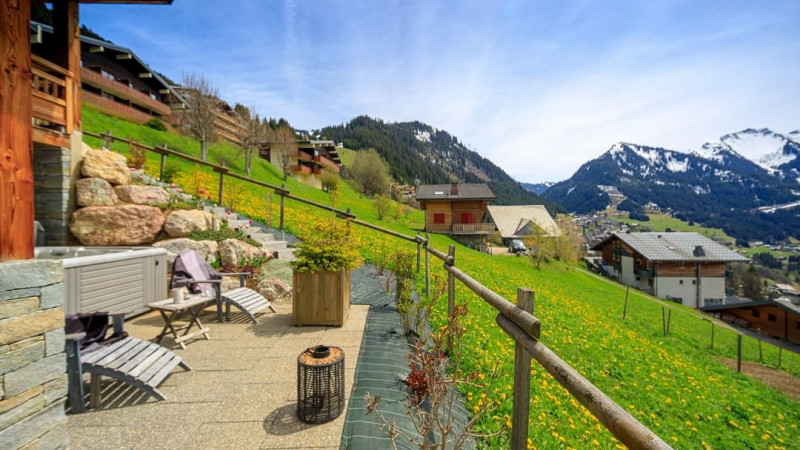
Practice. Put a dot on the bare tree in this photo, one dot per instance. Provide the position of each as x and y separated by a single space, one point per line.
370 173
197 118
284 148
251 134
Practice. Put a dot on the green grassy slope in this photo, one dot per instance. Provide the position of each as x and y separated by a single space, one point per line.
660 222
673 384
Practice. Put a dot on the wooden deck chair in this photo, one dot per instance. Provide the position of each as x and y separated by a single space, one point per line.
143 364
192 271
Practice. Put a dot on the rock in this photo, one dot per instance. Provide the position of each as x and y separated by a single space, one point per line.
208 249
95 192
232 251
183 222
142 195
107 165
274 289
116 225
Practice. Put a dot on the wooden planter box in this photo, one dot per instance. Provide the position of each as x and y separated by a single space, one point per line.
321 298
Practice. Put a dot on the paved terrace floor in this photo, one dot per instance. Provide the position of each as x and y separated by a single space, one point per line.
241 392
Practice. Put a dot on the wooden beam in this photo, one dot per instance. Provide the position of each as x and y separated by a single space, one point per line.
98 49
146 75
163 91
67 33
124 56
16 166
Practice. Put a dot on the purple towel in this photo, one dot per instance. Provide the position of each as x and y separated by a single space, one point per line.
189 266
95 325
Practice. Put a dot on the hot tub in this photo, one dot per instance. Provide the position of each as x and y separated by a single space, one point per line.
113 279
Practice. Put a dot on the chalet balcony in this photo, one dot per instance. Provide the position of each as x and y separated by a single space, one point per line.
303 156
327 163
52 94
302 169
473 228
123 91
647 273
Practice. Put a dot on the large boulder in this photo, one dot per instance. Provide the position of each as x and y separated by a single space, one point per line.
116 225
274 289
183 222
232 251
174 247
95 192
142 195
107 165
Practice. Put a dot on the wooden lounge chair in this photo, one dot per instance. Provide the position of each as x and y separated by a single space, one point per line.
192 271
143 364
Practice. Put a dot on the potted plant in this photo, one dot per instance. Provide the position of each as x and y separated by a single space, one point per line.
321 275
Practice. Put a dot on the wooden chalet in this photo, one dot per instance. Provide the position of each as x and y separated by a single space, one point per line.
518 222
687 268
40 130
778 318
313 156
114 79
227 123
456 208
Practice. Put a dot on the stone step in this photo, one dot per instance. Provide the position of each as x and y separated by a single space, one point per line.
258 236
285 254
238 223
273 245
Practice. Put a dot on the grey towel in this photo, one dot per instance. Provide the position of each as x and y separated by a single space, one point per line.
190 266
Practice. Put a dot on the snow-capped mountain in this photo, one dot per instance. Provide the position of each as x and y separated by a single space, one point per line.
774 152
719 183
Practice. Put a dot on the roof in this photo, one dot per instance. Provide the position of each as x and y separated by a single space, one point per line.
675 246
514 221
118 49
466 191
782 304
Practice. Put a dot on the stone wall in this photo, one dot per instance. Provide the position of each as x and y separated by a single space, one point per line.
51 181
33 379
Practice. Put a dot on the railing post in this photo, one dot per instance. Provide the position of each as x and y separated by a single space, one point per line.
522 381
107 140
418 252
451 295
163 163
221 186
739 353
427 266
283 201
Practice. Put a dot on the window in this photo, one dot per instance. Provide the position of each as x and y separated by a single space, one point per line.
756 313
797 324
680 282
772 317
438 218
694 281
466 218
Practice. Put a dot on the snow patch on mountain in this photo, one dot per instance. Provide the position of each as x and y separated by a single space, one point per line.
422 136
764 147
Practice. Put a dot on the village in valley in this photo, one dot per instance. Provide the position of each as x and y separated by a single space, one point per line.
179 268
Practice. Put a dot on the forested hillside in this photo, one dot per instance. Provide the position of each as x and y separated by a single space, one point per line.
415 150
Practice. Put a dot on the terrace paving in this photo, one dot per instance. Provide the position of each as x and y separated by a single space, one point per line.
242 391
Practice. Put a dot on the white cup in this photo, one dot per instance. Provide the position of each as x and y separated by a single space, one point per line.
177 295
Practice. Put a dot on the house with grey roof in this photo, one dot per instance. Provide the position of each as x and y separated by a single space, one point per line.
687 268
779 318
456 208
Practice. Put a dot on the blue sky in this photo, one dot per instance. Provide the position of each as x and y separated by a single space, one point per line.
538 87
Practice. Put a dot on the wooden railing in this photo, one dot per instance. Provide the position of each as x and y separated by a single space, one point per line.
327 163
52 93
515 319
473 228
123 91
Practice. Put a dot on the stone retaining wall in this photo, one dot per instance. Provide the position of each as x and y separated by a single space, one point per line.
51 184
33 379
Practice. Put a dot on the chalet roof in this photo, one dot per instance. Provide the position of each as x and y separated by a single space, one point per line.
140 66
466 191
782 304
683 246
512 221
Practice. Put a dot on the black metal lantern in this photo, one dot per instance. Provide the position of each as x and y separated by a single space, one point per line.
320 384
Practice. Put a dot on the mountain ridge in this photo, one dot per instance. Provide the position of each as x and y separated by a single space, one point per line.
415 150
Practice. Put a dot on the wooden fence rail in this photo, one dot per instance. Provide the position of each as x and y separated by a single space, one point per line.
515 319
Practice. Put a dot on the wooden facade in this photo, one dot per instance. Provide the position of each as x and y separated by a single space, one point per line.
770 317
456 209
53 101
